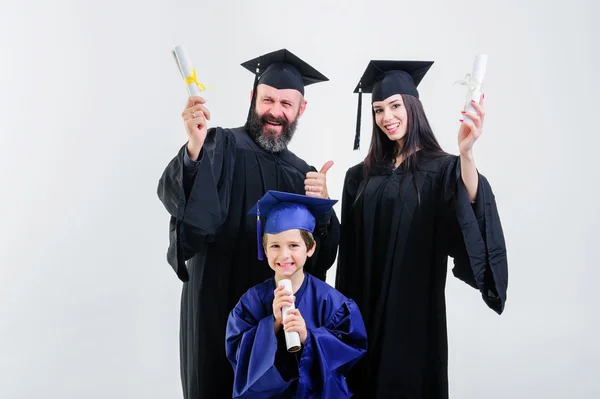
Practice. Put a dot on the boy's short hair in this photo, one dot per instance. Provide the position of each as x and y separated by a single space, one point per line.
306 235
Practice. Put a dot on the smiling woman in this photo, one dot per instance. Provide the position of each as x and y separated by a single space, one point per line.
396 135
390 116
405 209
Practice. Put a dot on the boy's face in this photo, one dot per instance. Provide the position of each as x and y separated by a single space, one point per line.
287 253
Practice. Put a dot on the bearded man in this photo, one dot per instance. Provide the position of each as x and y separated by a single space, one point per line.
208 188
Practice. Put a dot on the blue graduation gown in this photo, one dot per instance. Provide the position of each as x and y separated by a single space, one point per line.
263 368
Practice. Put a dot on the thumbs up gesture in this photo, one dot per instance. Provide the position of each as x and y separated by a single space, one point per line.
315 184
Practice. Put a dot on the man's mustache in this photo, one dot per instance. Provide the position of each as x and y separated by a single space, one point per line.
273 120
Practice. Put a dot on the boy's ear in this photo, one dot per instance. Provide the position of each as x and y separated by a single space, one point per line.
312 250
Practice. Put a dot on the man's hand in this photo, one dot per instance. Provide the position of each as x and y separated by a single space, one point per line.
194 117
316 183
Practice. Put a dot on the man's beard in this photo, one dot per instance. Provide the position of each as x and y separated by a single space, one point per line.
270 140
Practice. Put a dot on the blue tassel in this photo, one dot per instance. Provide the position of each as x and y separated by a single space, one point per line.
259 233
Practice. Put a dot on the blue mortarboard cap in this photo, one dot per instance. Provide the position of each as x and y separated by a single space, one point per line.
287 211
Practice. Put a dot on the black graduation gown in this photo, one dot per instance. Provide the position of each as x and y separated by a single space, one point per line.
398 229
209 227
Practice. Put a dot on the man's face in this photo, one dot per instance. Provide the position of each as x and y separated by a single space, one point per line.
275 117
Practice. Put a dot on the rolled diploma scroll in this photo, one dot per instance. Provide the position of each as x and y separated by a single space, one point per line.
292 339
185 67
475 83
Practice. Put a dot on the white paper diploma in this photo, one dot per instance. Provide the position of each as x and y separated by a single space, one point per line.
474 82
187 71
292 339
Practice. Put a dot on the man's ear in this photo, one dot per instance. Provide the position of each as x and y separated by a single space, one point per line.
302 108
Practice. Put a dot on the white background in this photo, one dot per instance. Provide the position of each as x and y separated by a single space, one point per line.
90 116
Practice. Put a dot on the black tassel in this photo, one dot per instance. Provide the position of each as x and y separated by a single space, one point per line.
256 75
358 120
252 102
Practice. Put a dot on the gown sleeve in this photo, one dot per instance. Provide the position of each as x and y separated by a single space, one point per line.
347 271
251 347
327 237
330 351
196 194
474 237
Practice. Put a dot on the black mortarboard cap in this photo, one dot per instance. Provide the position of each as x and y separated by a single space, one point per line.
282 69
385 78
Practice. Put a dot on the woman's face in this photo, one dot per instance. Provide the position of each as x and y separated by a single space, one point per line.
391 117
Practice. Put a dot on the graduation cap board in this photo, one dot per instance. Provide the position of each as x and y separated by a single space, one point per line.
384 78
286 211
282 69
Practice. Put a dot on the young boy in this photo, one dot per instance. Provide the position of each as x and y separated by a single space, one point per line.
330 326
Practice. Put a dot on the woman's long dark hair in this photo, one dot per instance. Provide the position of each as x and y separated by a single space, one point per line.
419 135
